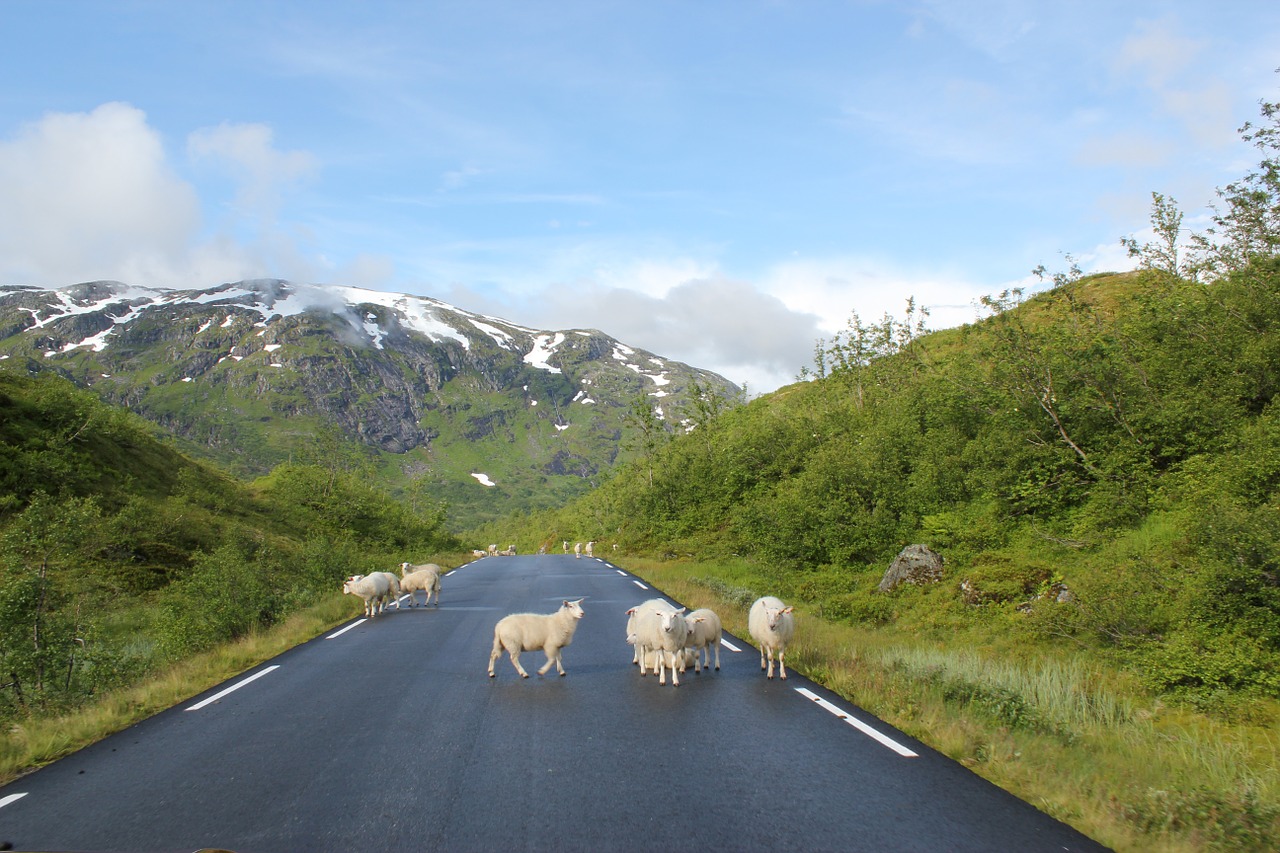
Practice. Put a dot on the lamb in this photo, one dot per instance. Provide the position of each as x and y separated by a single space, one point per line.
425 577
704 633
372 588
662 631
524 632
772 626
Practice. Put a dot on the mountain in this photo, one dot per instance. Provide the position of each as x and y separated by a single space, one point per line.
479 412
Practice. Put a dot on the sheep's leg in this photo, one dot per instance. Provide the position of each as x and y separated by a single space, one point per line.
553 657
494 655
782 667
675 669
661 664
515 661
769 674
717 655
762 656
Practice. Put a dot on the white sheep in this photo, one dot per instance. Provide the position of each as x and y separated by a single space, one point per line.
704 634
493 550
476 552
525 632
654 605
591 548
393 589
425 577
511 550
663 632
372 588
772 626
577 550
565 546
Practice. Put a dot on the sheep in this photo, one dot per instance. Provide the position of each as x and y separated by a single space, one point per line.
493 550
476 552
590 549
662 631
565 546
510 552
771 624
577 550
704 633
393 589
372 588
653 604
425 577
524 632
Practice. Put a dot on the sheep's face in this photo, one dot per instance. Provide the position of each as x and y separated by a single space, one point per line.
668 619
574 607
775 616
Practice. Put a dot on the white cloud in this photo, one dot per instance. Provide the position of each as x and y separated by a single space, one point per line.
249 154
90 195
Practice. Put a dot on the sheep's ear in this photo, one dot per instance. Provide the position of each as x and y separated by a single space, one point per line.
786 610
681 610
631 612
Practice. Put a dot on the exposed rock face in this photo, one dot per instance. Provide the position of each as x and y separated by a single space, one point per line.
915 564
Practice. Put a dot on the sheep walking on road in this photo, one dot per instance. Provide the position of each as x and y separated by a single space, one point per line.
525 632
425 577
577 550
372 588
772 626
633 616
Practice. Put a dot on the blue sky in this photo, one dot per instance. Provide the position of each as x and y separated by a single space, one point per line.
719 182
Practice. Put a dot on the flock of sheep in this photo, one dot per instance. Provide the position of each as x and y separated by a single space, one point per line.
380 589
664 637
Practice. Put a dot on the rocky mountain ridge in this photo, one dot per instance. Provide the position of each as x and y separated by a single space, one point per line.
484 411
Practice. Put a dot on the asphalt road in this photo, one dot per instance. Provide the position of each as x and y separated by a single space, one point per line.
387 734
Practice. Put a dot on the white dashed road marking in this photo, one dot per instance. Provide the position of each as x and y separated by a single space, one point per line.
642 586
346 629
857 724
215 697
12 798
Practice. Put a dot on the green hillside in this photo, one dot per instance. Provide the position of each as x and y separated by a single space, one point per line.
120 557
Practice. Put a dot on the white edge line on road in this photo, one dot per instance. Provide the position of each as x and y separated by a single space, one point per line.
215 697
728 645
642 586
346 629
12 798
621 572
857 724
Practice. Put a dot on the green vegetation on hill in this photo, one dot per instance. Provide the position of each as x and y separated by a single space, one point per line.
120 557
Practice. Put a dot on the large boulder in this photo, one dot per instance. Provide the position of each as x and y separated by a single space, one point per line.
916 564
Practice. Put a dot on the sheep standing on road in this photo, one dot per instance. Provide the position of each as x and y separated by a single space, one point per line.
772 626
425 577
704 634
525 632
664 632
633 615
591 549
577 550
372 588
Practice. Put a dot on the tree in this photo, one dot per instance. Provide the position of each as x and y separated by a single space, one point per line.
1247 227
1164 253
